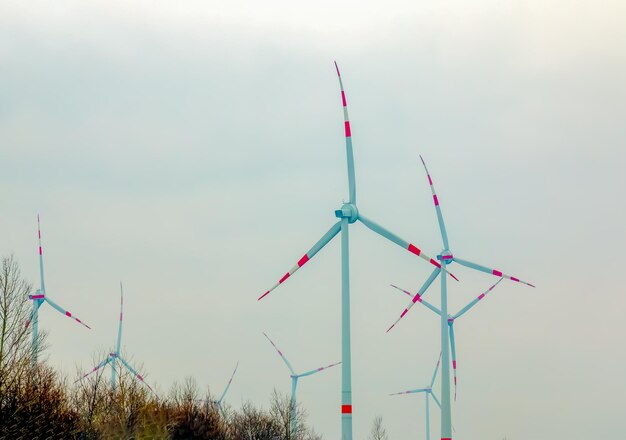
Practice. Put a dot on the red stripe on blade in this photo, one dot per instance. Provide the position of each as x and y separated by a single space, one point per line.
284 277
414 249
347 129
303 260
436 263
497 273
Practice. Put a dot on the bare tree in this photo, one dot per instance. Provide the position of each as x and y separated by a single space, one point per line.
281 412
378 432
15 347
251 423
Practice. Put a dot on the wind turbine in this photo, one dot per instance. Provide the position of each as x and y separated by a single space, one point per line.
428 393
38 299
451 320
115 355
218 402
294 382
446 257
348 214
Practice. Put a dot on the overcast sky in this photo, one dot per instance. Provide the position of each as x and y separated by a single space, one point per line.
194 150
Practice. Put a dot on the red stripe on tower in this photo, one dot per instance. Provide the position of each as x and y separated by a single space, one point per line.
346 409
347 129
414 249
303 260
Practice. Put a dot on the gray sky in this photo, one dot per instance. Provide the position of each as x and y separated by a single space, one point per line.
195 151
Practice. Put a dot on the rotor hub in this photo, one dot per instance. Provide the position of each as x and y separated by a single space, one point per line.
445 257
349 211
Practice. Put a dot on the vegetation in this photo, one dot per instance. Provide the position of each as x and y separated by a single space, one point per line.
36 403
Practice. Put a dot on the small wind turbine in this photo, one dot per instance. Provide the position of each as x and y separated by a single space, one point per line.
38 299
451 320
294 382
348 214
218 402
428 393
446 257
115 355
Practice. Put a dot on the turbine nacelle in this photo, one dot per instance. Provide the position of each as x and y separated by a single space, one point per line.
349 211
38 295
445 257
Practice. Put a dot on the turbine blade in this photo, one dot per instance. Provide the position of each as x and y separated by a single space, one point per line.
36 305
64 312
453 354
314 250
475 301
420 390
348 135
281 354
317 370
495 272
418 296
435 399
119 328
42 285
132 370
228 384
432 382
96 368
400 242
442 226
419 299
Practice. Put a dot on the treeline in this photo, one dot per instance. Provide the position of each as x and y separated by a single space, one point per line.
37 403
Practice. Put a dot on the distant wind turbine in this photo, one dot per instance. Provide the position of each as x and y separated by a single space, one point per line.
451 320
446 257
294 381
348 214
38 299
115 356
218 402
428 393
